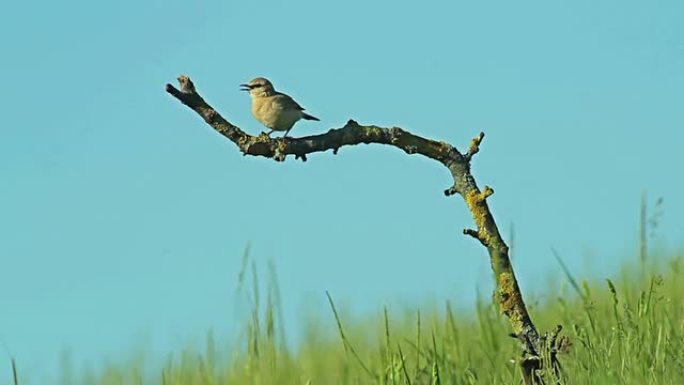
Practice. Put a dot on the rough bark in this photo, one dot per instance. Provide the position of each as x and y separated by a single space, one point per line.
508 293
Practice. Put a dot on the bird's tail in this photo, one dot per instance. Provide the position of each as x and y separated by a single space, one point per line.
309 117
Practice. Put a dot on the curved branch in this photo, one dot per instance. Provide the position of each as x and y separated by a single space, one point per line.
277 148
508 293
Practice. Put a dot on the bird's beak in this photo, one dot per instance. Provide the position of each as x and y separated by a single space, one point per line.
244 87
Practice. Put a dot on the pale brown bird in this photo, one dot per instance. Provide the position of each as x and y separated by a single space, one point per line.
273 109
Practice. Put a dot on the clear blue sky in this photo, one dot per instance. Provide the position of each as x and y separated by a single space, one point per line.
123 216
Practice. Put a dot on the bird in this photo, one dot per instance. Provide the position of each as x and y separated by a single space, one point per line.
273 109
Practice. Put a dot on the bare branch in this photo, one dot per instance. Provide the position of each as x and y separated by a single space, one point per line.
352 133
451 191
474 146
474 234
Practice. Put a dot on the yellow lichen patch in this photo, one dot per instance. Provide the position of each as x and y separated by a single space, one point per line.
243 143
281 146
261 138
510 300
475 201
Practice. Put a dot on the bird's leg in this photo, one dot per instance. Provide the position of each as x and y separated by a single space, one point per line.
288 130
269 133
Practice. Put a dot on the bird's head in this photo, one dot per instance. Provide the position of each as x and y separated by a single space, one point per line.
258 87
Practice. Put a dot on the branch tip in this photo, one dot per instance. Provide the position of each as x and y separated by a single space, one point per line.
451 191
475 234
475 145
487 192
471 232
186 84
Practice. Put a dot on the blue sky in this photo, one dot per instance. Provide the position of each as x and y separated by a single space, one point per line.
124 217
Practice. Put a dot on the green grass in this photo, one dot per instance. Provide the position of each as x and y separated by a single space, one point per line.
629 330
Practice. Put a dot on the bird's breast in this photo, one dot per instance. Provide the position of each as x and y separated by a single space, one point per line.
273 114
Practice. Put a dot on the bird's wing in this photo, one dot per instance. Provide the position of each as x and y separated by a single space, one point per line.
288 102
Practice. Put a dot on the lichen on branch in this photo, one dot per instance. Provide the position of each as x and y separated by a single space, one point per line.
352 133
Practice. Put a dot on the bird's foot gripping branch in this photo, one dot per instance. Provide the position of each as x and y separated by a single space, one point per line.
538 352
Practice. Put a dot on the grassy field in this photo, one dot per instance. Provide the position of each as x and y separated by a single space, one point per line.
626 331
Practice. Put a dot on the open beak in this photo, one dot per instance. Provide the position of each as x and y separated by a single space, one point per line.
244 87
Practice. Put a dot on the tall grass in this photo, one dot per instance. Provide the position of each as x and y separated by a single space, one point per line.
627 330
